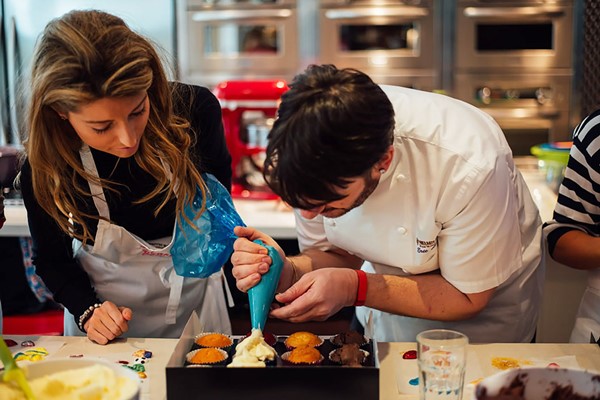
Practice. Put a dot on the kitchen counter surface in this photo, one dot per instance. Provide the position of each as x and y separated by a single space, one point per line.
395 372
275 219
269 216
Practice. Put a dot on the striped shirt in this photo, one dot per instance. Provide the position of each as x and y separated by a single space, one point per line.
578 205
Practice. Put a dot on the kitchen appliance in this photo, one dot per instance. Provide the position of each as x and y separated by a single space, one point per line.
249 109
514 60
237 40
514 34
23 20
531 108
395 41
9 161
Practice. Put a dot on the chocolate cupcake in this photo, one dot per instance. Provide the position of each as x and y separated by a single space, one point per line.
348 338
302 339
216 340
350 355
304 355
208 356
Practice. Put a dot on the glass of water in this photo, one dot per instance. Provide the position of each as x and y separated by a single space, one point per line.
442 356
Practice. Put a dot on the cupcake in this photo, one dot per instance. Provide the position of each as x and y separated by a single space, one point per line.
253 351
216 340
303 339
206 356
303 355
350 355
348 338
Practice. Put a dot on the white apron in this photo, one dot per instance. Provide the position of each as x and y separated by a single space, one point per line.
130 272
587 323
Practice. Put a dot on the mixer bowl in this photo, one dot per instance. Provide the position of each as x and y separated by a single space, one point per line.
9 165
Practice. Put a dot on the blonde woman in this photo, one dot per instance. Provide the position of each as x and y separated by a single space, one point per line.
114 152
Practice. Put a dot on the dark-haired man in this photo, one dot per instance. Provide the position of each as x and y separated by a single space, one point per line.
416 190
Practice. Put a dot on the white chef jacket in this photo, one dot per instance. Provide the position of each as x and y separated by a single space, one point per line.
452 200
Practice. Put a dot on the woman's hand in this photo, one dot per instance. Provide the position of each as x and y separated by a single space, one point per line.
250 260
107 322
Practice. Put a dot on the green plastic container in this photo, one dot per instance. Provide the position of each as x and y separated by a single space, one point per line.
553 159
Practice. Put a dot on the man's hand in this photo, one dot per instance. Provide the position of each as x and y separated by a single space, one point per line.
250 260
317 295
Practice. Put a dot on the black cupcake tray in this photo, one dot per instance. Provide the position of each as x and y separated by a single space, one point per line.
325 381
280 348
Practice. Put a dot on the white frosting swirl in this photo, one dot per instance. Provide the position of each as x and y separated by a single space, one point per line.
253 351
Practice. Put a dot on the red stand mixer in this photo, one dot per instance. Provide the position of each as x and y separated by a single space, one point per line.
249 109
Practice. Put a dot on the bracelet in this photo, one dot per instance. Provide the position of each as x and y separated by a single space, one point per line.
361 292
87 314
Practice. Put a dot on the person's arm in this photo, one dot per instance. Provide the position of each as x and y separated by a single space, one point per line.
53 255
574 234
578 250
322 291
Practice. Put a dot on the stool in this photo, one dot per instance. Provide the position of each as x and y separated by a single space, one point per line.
45 323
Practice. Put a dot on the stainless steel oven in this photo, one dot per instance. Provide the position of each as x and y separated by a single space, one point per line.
531 108
396 42
228 40
514 34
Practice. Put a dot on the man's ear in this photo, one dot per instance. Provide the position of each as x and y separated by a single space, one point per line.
386 160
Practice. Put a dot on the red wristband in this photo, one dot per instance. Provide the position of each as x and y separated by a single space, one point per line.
361 292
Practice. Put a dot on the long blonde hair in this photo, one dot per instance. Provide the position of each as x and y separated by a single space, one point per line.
81 57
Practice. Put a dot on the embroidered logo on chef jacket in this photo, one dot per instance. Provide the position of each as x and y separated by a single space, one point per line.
146 252
425 246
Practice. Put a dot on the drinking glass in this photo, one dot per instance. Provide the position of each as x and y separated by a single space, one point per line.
442 358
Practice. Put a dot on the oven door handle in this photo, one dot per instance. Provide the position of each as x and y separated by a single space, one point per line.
366 12
509 12
522 113
240 15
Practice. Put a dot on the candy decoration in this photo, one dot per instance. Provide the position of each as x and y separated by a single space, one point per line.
142 353
76 355
10 342
36 354
553 365
414 381
140 360
410 355
136 367
142 375
123 362
28 343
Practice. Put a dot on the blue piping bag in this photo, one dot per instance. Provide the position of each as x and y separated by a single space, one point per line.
261 296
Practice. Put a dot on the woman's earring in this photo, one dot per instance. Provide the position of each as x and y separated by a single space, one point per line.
63 117
382 171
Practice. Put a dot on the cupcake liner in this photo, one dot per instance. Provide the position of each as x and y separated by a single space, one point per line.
291 346
191 354
204 334
285 360
364 360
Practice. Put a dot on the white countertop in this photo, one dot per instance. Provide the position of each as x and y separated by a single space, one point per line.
395 371
275 219
269 216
